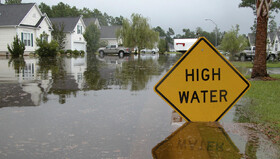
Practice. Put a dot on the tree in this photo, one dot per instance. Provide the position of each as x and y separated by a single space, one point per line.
17 48
92 36
169 33
233 42
137 33
58 35
13 2
160 31
64 10
261 10
46 9
162 45
188 34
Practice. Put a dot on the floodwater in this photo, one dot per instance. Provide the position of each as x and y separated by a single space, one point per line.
92 107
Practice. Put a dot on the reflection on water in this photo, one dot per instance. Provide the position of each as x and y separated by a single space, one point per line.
37 78
197 140
92 107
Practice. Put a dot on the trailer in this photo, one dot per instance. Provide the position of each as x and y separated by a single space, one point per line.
182 45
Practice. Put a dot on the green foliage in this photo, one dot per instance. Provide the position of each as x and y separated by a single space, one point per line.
263 106
17 48
137 33
188 34
64 10
160 31
18 63
59 35
162 46
103 43
46 49
12 1
252 4
92 36
233 42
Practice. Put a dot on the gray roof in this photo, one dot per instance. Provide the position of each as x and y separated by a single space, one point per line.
87 21
13 14
68 22
108 31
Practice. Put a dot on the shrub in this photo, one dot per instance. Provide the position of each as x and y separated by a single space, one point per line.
46 49
162 46
62 52
76 52
82 52
17 48
69 51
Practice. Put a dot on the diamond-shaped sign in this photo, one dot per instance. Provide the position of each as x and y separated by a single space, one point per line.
197 140
202 85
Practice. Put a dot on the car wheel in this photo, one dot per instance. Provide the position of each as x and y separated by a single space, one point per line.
121 54
101 53
242 58
153 52
271 57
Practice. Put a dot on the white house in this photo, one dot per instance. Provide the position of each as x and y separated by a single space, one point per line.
108 34
95 21
74 28
26 21
273 41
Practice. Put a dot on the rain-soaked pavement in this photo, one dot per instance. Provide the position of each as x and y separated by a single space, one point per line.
91 107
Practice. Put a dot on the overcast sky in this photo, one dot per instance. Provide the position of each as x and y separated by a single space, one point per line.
177 14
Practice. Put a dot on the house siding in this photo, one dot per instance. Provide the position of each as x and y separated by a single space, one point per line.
68 42
32 17
44 28
7 37
78 38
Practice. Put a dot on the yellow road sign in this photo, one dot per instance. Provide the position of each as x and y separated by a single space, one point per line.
197 140
202 85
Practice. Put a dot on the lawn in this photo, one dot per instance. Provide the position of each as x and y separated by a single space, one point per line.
263 106
249 64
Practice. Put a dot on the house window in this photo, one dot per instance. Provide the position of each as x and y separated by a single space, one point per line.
79 29
27 39
44 37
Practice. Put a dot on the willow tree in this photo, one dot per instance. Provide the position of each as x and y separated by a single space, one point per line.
261 9
137 33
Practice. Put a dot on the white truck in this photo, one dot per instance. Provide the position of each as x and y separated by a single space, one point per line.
182 45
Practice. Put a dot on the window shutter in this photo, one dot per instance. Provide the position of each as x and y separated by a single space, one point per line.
32 39
22 37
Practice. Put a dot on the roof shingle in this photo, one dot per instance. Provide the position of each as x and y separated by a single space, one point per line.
13 14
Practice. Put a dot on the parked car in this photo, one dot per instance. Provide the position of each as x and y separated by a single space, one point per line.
272 56
247 54
153 51
113 49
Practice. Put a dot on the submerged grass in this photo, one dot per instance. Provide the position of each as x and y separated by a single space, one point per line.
264 106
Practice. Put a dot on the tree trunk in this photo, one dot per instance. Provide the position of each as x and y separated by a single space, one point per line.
259 68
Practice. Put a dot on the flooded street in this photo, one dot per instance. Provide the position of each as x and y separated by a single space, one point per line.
92 107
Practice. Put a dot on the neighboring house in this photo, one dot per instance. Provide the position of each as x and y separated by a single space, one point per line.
74 28
95 21
25 20
108 34
273 44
